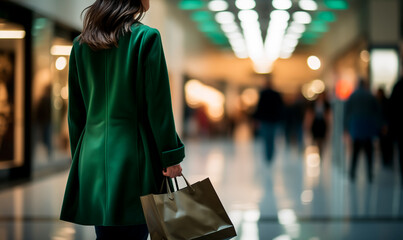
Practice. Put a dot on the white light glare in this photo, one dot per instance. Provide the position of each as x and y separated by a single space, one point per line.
230 27
285 55
302 17
307 196
314 62
241 55
61 63
286 216
293 35
296 28
248 16
60 50
12 34
279 15
225 17
290 42
234 35
308 5
218 5
245 4
282 4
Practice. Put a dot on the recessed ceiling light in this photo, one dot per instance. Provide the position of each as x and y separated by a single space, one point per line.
308 5
279 15
245 4
230 27
282 4
12 34
314 62
248 16
302 17
225 17
218 5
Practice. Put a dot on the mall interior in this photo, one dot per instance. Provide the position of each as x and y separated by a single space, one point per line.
288 176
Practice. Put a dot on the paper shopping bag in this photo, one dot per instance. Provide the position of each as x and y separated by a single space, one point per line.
194 212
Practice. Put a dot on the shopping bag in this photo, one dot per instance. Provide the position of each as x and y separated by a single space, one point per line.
194 212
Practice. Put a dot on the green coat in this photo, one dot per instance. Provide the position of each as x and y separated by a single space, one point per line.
121 127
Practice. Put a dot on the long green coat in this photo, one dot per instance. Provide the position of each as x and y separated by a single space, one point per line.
121 126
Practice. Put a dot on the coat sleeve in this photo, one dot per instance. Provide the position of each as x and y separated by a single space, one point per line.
76 112
158 101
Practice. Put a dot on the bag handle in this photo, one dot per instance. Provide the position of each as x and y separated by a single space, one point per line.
170 192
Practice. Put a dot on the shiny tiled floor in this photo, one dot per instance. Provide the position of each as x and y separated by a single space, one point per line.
297 196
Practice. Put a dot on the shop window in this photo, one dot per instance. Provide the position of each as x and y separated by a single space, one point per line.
12 55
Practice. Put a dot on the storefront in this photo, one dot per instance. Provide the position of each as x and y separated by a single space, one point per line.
34 55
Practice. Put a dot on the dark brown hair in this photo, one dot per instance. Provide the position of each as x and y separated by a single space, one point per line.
106 20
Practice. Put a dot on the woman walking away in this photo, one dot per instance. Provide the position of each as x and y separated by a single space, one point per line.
122 133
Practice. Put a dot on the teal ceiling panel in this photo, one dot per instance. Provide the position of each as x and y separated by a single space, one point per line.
327 16
336 4
202 16
191 4
318 26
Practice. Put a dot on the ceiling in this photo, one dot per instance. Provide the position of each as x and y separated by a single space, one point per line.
263 30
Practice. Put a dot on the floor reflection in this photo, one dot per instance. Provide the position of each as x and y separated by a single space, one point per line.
300 195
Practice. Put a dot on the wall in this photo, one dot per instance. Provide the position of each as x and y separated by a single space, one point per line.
66 12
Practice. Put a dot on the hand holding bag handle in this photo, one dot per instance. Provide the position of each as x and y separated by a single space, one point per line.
194 212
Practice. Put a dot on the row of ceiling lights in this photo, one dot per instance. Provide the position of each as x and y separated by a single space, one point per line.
281 39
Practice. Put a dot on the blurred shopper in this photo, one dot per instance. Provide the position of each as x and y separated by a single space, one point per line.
362 120
43 118
293 121
319 110
268 113
385 138
396 117
122 133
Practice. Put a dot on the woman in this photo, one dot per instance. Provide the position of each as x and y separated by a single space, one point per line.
122 133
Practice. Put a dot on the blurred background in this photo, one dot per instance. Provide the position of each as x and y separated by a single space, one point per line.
288 106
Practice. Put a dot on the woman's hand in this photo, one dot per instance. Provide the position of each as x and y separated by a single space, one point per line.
173 171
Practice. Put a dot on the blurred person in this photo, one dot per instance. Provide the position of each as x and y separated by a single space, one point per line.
122 133
385 138
43 118
362 121
269 112
293 120
319 111
396 120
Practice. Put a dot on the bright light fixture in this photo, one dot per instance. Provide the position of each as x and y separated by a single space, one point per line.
290 42
61 63
296 28
230 27
293 35
302 17
225 17
58 50
308 5
282 4
12 34
238 44
234 35
314 62
285 55
218 5
248 16
318 86
279 15
245 4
